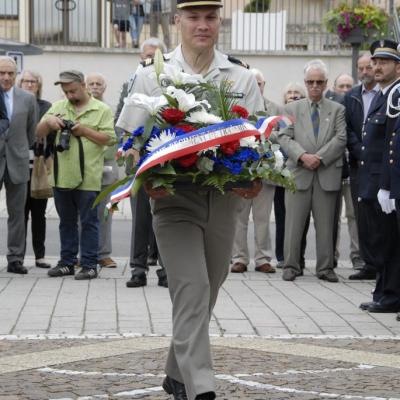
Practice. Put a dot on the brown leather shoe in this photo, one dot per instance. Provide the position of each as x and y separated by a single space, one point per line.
239 268
266 268
107 263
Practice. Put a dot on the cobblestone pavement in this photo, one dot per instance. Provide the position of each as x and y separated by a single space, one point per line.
246 368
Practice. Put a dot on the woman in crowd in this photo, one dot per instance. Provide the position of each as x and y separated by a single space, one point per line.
32 82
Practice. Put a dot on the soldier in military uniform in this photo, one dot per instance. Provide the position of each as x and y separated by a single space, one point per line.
378 230
195 230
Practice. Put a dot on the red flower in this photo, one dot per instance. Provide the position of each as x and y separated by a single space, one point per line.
188 160
173 115
241 111
230 148
186 128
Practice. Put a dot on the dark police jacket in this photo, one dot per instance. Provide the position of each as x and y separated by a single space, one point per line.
390 179
376 130
354 120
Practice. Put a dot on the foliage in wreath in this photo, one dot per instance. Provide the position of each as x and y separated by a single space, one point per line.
188 106
343 19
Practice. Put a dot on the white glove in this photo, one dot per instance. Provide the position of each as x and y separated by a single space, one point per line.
387 204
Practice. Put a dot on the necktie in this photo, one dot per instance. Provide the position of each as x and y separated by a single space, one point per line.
315 119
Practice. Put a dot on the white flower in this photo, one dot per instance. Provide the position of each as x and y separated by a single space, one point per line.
150 104
186 101
249 141
286 173
158 62
279 161
157 141
180 78
203 117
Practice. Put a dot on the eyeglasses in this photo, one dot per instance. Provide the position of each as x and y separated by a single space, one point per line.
318 83
28 81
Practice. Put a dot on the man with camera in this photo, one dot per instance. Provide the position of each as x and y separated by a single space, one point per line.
84 127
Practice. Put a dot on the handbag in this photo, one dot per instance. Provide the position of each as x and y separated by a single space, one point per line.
40 186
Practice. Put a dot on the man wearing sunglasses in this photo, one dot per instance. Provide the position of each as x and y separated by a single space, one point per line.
314 144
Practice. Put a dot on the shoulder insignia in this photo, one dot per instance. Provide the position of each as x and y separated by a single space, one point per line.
150 61
235 60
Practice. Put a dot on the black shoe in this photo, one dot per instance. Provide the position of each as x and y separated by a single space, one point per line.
379 308
363 274
16 267
42 264
289 274
206 396
86 273
138 279
366 305
162 277
177 389
61 269
329 276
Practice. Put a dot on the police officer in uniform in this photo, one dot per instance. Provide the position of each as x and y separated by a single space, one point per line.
195 229
378 230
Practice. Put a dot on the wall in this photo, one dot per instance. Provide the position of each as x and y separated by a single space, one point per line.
279 69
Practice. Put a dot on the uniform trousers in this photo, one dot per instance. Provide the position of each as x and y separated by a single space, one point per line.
105 226
379 240
346 196
261 208
15 201
298 206
195 233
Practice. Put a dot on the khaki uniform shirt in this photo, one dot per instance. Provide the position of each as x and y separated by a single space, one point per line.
244 87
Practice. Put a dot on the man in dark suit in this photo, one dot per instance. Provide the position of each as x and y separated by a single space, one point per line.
14 159
378 230
357 102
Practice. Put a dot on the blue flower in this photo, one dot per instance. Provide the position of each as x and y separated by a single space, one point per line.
138 132
234 167
245 154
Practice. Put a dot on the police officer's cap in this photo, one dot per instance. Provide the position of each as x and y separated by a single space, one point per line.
180 4
385 48
70 76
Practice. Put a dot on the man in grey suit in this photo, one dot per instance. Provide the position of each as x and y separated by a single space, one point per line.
315 146
14 159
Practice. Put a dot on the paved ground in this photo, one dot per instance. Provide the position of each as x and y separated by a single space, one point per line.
61 339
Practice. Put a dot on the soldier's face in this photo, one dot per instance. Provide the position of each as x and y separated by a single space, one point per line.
385 70
199 27
8 74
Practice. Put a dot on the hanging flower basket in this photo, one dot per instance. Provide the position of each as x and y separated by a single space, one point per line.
357 24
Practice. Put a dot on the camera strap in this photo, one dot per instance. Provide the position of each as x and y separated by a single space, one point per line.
81 164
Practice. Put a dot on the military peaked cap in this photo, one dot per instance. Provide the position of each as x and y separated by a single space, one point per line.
198 3
385 48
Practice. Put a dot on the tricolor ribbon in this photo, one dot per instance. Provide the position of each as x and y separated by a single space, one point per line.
199 140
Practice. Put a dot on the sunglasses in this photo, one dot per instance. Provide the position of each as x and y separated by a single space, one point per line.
318 83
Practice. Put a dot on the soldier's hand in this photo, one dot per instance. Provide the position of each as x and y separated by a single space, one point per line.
155 193
249 193
134 153
54 123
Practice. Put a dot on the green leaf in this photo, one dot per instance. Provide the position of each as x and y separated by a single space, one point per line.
102 195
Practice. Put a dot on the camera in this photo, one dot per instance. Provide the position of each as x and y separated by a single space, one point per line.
65 135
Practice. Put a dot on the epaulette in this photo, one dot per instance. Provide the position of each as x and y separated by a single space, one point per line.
235 60
150 61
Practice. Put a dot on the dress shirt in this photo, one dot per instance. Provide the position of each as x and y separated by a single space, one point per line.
9 100
367 96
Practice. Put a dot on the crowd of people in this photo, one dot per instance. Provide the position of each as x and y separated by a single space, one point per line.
341 149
